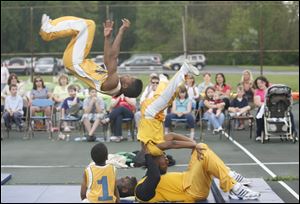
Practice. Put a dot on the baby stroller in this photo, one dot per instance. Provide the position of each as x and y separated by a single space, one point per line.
277 113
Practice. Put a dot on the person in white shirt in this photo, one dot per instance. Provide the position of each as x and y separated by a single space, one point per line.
4 75
13 109
192 90
148 93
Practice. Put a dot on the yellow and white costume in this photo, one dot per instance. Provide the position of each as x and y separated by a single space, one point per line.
100 183
82 32
151 129
193 184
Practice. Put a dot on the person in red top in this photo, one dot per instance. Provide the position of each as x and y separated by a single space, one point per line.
121 107
223 88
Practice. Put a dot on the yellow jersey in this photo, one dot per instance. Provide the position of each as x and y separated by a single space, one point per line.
170 188
100 183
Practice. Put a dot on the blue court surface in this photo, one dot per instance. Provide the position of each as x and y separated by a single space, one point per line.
40 165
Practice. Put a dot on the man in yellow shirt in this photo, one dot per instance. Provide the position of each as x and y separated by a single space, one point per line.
189 186
104 79
99 179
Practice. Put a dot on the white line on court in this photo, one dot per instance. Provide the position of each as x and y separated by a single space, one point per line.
252 164
262 166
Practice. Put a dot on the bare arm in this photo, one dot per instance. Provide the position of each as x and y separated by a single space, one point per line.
117 193
189 108
131 101
112 51
114 102
83 188
257 101
108 27
176 141
174 108
208 105
89 106
175 144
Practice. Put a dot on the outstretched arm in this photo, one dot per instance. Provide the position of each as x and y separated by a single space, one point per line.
115 48
111 53
146 190
176 141
108 27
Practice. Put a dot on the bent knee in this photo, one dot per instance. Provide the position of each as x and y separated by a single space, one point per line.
203 145
91 23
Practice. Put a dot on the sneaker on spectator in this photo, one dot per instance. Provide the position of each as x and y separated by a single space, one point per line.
67 129
232 114
105 121
115 139
239 178
220 129
258 138
241 192
216 130
90 138
61 136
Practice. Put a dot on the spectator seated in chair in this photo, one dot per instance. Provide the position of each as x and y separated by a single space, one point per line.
70 107
212 109
121 107
13 109
181 109
40 91
93 107
239 107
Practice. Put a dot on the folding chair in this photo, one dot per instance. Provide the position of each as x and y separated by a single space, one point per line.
131 124
41 103
203 122
250 118
73 120
25 122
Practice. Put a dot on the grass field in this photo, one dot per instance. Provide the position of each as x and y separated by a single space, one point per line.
272 68
231 79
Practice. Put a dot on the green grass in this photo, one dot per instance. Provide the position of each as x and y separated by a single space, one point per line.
272 68
231 79
283 178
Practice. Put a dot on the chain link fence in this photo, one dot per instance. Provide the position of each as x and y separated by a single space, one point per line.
227 33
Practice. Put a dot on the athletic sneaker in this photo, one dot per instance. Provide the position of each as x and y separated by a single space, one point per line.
239 178
258 138
192 69
215 130
163 77
232 114
115 139
240 192
45 19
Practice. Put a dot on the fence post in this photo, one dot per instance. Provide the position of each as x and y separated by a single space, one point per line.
184 37
261 40
31 47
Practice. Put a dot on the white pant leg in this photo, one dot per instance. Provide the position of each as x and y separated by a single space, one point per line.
162 101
